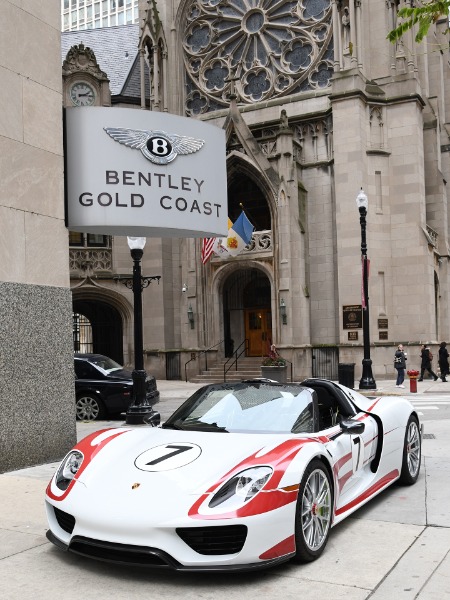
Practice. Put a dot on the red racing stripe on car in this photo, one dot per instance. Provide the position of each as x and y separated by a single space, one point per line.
341 481
89 452
270 497
370 491
287 546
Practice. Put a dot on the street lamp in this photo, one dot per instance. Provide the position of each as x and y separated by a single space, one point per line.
139 409
367 382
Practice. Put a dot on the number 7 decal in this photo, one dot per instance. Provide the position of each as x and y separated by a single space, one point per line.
167 457
178 450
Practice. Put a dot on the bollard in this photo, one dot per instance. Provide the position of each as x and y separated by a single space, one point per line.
413 375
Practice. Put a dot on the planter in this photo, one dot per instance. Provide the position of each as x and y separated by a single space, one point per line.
276 373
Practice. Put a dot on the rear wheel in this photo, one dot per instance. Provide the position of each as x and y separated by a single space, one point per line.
412 452
89 408
314 510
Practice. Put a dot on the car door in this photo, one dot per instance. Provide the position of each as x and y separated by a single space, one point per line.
353 454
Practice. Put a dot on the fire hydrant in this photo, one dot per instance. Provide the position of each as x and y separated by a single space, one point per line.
413 375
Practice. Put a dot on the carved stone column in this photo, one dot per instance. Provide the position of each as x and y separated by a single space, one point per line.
336 37
142 65
164 73
157 98
355 49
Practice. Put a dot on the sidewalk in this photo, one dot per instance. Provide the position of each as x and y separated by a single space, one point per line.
397 546
427 386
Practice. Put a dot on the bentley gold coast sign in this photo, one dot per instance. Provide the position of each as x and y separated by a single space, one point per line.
142 173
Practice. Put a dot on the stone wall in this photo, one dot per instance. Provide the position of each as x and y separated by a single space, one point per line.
37 417
37 411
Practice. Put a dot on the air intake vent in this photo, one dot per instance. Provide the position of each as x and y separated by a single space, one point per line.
65 521
228 539
138 556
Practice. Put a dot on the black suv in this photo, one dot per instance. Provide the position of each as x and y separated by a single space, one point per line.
104 388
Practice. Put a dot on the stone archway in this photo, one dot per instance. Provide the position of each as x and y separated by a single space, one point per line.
106 325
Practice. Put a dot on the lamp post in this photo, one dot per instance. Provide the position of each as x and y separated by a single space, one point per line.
139 409
367 382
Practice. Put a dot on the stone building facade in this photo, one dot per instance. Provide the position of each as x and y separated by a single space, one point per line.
37 416
316 104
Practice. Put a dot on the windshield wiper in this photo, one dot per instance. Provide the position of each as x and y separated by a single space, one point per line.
174 425
205 426
183 424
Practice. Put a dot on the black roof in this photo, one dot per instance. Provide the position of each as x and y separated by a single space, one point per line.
116 51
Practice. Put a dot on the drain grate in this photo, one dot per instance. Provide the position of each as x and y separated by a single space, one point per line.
429 436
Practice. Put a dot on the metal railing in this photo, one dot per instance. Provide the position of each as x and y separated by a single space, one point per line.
205 352
243 347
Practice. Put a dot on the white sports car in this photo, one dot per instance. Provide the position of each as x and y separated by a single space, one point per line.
242 476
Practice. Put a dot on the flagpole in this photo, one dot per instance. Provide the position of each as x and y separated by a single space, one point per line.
247 212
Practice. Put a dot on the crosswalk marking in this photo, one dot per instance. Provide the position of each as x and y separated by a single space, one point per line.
430 402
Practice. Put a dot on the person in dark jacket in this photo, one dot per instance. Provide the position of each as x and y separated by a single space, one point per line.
425 364
400 365
443 360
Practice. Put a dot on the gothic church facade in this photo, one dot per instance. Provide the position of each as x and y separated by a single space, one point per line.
316 104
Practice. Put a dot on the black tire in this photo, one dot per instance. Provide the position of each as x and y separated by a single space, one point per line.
314 512
89 408
412 452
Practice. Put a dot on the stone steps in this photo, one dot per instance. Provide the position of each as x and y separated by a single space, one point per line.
248 368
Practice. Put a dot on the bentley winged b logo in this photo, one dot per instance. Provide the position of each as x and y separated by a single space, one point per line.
158 147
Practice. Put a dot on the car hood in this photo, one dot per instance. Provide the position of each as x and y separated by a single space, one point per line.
166 472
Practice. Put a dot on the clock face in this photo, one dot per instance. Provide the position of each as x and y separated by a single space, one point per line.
82 94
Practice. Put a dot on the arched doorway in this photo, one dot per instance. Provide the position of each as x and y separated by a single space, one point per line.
106 327
247 312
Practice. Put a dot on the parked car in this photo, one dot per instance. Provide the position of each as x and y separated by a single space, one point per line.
104 388
242 476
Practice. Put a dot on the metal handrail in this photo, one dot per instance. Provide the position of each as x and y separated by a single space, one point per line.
236 355
206 358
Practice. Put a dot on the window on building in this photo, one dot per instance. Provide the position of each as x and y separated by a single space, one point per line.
82 334
88 240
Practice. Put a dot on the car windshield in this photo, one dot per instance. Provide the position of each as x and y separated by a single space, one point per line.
248 407
106 364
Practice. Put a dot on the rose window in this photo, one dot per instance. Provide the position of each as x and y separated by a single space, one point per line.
258 49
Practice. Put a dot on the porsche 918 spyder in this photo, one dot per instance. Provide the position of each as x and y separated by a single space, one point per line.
242 476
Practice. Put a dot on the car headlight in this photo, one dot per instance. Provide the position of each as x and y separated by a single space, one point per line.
68 469
242 487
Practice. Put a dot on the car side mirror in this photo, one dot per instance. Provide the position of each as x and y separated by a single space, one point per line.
352 427
153 419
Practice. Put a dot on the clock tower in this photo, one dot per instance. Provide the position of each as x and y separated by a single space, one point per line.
84 83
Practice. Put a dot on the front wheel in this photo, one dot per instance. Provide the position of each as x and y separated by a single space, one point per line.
412 452
89 408
314 511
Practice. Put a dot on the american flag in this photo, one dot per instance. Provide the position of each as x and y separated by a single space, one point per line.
207 249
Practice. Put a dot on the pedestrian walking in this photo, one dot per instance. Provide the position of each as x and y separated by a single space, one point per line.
443 360
425 364
400 365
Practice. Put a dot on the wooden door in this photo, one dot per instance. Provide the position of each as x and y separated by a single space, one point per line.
258 331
